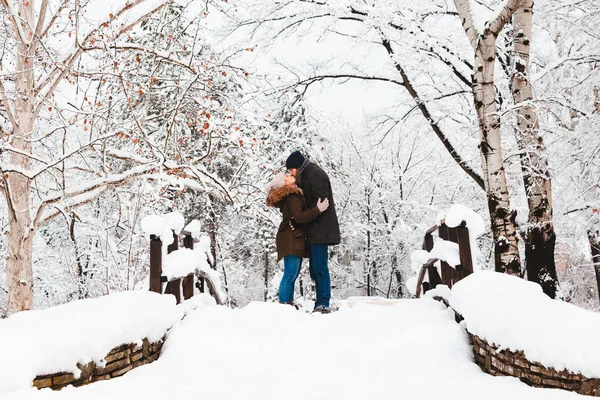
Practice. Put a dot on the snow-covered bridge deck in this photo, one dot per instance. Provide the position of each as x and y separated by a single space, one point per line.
412 349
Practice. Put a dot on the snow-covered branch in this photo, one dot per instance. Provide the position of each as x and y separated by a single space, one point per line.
466 15
503 17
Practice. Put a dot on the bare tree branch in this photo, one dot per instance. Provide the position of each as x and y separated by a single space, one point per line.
434 126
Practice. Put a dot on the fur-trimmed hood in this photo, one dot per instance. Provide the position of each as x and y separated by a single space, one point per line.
276 196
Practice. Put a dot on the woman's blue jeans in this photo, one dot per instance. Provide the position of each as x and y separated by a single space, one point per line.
291 269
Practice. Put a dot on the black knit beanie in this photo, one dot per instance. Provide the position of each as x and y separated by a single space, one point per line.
295 160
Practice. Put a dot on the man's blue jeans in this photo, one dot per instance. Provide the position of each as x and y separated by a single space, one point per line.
320 272
291 270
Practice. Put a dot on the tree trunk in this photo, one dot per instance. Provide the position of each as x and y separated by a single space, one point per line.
506 251
212 234
20 233
19 265
594 239
539 237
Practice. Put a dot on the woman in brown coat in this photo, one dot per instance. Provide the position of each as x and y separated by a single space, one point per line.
291 235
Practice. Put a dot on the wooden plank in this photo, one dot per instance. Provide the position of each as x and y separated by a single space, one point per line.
446 269
431 230
420 281
188 286
188 241
422 276
428 242
434 276
173 246
174 288
464 248
188 281
200 284
452 235
211 287
155 264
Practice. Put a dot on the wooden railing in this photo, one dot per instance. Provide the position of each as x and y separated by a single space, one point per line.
182 285
450 275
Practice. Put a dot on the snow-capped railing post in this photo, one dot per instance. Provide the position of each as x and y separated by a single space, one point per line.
464 248
463 266
155 264
432 272
188 281
449 274
179 268
174 286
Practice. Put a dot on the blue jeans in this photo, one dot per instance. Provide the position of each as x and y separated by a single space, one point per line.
291 270
319 271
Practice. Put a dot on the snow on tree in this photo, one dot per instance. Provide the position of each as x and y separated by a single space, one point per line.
99 96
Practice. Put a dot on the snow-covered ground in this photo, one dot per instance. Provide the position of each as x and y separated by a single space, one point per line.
409 350
516 315
48 341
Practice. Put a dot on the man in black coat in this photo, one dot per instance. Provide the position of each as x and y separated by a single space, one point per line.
321 232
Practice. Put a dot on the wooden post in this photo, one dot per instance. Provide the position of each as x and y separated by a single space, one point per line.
173 246
464 248
174 287
188 281
446 269
428 242
155 264
368 284
452 235
427 246
434 276
200 285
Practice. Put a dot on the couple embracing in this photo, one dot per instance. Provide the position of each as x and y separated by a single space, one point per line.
303 195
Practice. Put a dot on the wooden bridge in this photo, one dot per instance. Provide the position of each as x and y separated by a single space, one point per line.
449 275
180 286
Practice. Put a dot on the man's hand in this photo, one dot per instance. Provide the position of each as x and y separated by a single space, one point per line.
292 227
323 205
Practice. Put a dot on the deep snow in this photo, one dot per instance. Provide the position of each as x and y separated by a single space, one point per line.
517 315
413 349
48 341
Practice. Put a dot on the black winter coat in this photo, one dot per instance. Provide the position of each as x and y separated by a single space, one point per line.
315 184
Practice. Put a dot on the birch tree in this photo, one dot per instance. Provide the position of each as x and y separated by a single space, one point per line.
539 238
483 42
60 88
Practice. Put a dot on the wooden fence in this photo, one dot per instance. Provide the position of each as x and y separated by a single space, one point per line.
183 286
450 275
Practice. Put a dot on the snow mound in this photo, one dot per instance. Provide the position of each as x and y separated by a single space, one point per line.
515 314
163 226
457 213
182 262
54 340
194 228
447 251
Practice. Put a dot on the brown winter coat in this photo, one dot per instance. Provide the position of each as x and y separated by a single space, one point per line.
290 201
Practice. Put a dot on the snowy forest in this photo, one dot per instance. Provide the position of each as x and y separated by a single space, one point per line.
115 110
